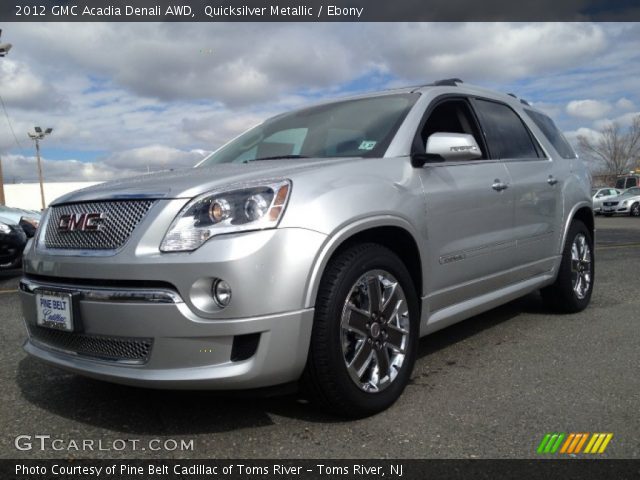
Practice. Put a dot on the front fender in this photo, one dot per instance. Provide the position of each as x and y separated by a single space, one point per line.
342 234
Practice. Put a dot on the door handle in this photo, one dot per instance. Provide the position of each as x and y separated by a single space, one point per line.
551 180
498 186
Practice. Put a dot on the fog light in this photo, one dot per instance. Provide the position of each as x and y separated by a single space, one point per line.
221 293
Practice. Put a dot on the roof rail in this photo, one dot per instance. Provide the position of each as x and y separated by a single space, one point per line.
512 95
451 82
524 102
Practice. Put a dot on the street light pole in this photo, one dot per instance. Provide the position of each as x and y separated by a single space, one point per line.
40 172
2 201
4 49
36 137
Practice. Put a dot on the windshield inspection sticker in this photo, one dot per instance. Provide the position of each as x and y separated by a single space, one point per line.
367 145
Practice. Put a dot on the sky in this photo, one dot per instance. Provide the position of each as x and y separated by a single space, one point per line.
128 98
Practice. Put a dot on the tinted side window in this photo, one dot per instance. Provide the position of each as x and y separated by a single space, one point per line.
506 135
632 182
552 133
451 116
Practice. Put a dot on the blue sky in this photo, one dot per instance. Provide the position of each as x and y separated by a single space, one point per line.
129 98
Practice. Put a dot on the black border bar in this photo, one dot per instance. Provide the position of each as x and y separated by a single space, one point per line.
119 469
213 11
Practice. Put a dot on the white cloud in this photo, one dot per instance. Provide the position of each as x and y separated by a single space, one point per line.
589 133
130 95
241 64
623 120
591 109
23 169
625 104
24 89
479 51
153 158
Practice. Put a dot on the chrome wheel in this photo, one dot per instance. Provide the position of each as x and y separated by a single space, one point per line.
375 330
581 266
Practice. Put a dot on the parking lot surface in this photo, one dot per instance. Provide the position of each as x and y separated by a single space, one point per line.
489 387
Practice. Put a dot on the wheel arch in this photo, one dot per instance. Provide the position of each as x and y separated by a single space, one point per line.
395 233
583 212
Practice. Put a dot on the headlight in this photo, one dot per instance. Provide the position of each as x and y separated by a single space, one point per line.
254 206
4 228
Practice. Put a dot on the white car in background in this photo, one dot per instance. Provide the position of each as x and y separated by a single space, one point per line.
602 194
627 203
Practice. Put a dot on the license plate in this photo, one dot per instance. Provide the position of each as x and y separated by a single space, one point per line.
55 310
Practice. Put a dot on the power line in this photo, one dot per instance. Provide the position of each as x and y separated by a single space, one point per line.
6 114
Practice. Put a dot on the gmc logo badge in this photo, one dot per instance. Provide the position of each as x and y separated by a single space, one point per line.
83 222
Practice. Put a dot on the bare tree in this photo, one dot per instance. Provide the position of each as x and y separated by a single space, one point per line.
616 151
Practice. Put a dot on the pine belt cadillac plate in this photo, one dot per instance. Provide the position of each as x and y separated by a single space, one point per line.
54 310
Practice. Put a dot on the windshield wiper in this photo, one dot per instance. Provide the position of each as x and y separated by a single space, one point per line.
276 157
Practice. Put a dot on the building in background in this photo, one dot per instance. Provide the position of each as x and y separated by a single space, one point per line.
27 195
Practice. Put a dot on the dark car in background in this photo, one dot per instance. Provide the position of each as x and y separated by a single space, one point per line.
628 181
27 219
12 242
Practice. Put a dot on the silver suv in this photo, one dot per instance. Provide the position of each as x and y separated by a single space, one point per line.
315 248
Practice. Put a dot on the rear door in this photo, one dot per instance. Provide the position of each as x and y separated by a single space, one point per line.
537 189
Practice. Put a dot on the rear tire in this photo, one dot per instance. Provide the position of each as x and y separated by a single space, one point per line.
365 332
571 292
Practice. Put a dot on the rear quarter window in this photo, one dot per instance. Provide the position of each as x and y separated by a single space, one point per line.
553 134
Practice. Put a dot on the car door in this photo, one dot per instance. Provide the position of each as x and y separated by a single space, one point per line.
609 194
535 183
599 197
469 212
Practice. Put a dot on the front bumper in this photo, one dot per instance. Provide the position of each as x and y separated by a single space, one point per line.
186 351
618 209
261 339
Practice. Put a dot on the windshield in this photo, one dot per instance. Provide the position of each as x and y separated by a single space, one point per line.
351 128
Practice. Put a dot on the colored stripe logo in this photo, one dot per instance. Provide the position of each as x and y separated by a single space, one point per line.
573 443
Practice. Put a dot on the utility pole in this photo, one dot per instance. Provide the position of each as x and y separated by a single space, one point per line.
36 137
2 201
4 49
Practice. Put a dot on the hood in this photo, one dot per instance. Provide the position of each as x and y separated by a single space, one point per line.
190 182
8 221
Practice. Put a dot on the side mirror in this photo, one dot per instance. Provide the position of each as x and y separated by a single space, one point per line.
453 146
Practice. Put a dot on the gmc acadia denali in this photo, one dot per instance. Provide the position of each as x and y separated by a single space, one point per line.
317 248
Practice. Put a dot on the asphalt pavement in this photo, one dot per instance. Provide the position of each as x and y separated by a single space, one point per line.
489 387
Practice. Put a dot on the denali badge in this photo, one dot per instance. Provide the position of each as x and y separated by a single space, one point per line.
83 222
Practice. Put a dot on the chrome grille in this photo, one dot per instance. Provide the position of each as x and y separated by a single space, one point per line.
120 219
122 349
610 204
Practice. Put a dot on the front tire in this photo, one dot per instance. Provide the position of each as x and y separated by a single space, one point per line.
571 292
365 333
634 211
